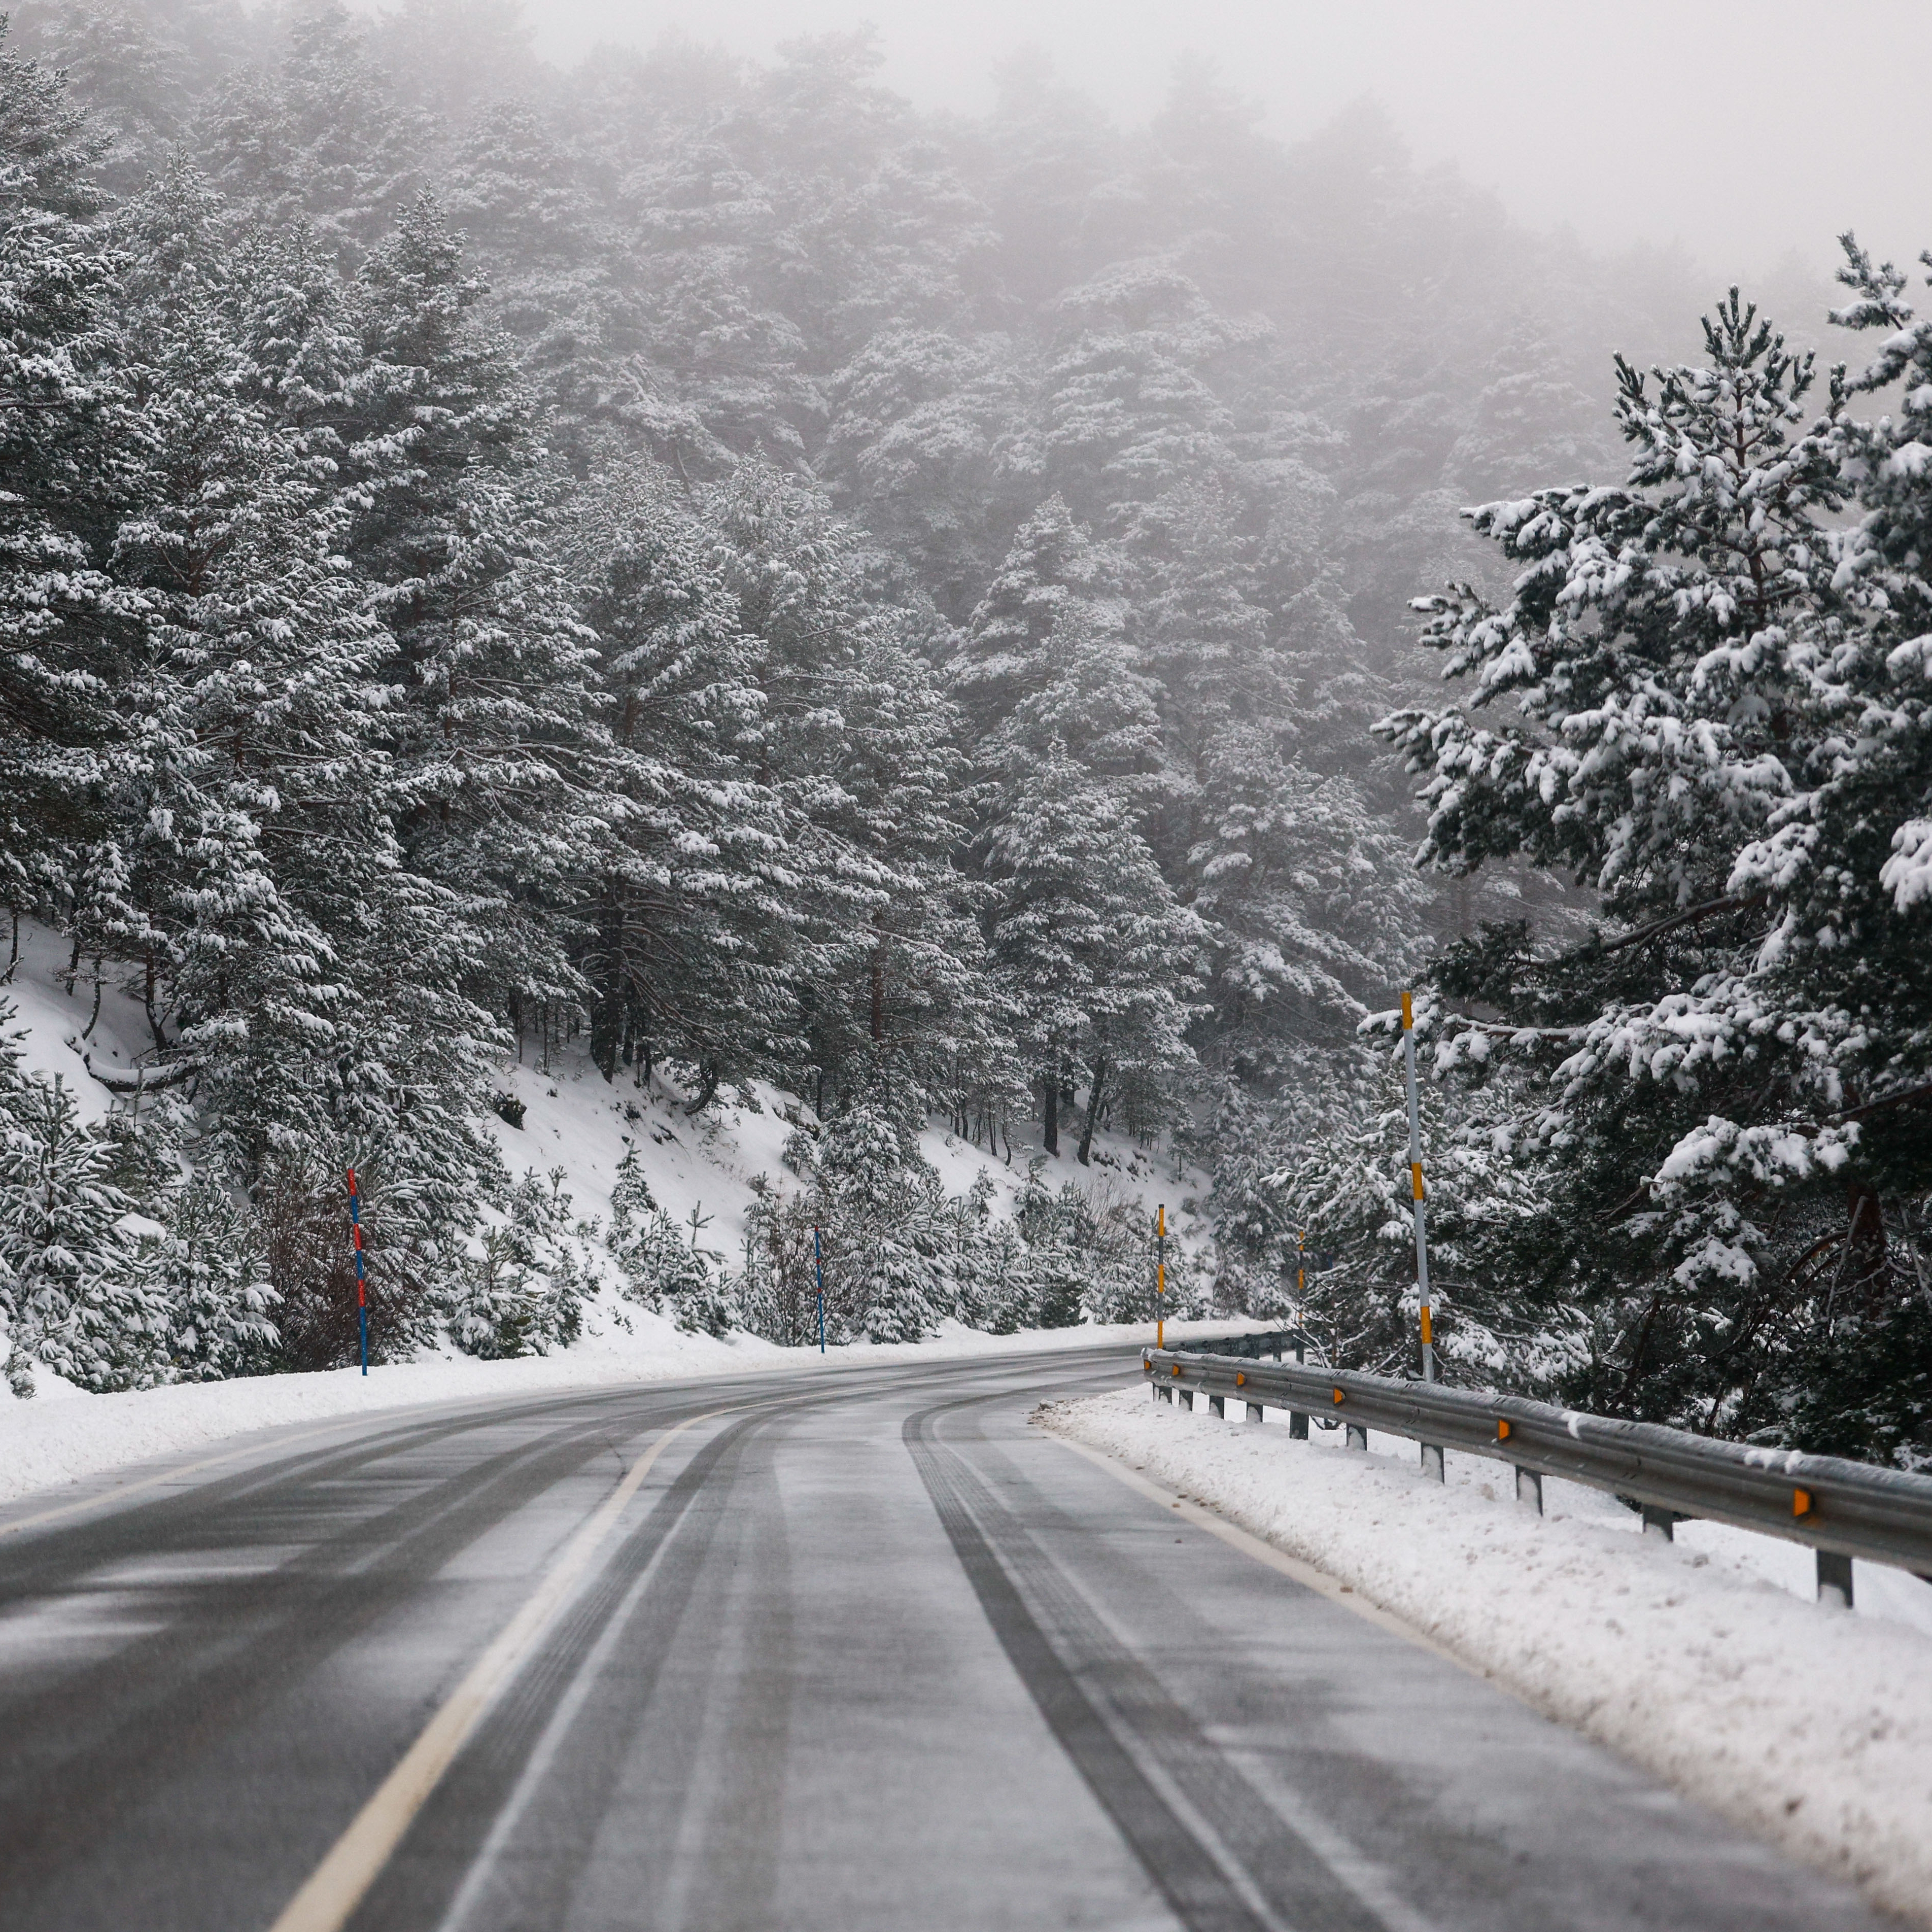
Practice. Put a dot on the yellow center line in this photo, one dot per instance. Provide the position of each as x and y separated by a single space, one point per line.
337 1884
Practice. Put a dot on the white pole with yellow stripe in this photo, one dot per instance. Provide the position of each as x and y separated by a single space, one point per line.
1416 1189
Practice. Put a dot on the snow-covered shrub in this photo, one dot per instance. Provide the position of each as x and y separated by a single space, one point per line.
209 1274
663 1265
882 1206
72 1290
778 1289
301 1204
520 1291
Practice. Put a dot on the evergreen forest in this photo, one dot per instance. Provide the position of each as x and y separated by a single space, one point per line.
1021 623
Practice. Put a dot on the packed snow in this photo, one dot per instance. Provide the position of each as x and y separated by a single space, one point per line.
1702 1660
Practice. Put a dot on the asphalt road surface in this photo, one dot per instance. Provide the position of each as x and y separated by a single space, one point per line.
860 1649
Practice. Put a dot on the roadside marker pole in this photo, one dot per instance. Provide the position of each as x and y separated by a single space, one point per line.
818 1261
1160 1276
1415 1188
362 1283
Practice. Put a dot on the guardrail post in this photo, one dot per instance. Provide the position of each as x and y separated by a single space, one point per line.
1165 1390
1835 1579
1432 1461
1187 1398
1217 1405
1358 1437
1660 1522
1297 1426
1254 1412
1529 1488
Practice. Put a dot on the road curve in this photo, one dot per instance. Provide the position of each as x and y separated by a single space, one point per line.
861 1650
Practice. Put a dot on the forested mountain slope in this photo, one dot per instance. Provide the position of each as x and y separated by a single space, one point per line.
697 563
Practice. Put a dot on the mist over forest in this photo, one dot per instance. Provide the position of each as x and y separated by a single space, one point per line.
693 562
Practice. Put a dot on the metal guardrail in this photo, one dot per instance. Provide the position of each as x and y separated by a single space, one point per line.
1839 1509
1275 1342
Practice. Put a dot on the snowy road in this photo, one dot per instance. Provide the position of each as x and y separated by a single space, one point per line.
876 1655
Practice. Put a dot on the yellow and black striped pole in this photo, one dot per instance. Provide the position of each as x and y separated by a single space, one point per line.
1160 1276
1416 1189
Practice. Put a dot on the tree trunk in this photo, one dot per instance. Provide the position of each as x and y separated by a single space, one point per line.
879 979
607 1018
149 975
1864 1234
1094 1093
1052 1120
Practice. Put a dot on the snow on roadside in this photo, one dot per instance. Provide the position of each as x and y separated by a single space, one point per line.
44 1443
1809 1726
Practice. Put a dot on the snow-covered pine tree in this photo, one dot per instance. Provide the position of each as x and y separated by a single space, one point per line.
499 743
1097 956
71 1288
689 912
319 137
1052 569
251 796
1309 901
857 743
882 1212
1846 872
207 1272
59 612
1691 1107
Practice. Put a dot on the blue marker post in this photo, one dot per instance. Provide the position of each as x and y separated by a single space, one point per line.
361 1285
818 1259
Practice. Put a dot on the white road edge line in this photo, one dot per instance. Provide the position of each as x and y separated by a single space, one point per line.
338 1885
1319 1581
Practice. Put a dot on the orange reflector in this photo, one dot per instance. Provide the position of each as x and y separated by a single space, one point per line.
1801 1502
1177 1368
1241 1380
1148 1366
1502 1432
1338 1395
1428 1329
1415 1178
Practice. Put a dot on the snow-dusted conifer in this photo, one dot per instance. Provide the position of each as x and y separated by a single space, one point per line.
74 1296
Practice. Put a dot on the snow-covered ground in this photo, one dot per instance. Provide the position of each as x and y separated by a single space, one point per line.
575 1121
1704 1660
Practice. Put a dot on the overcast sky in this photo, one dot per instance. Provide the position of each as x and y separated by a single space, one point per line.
1744 128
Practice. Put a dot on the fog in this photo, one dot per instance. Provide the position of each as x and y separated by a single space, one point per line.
1734 131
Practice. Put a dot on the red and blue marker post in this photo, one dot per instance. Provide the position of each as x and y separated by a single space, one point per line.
362 1281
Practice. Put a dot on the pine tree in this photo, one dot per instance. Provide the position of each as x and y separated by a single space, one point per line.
1053 574
70 1287
1310 904
691 919
856 741
320 138
1098 957
61 616
499 746
207 1271
1689 1088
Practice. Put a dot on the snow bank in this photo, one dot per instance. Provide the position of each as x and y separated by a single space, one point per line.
1809 1726
63 1435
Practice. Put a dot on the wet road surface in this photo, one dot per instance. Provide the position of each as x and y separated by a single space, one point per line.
856 1649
